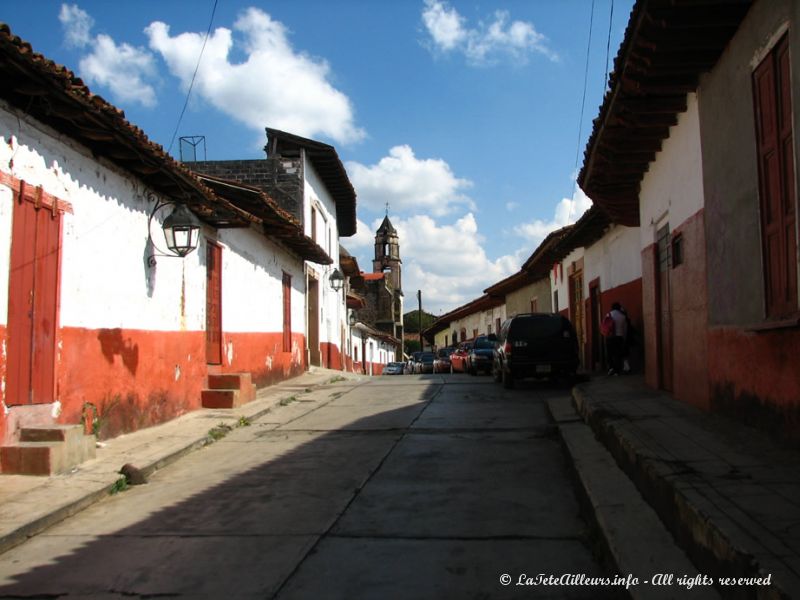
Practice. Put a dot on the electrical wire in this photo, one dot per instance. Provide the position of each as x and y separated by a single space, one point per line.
194 75
583 99
608 47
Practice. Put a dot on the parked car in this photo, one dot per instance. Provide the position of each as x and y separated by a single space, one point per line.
535 345
441 363
481 355
415 361
425 364
458 359
394 368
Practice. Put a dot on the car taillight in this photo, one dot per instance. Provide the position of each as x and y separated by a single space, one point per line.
507 348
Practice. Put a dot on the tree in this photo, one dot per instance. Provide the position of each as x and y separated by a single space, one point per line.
411 322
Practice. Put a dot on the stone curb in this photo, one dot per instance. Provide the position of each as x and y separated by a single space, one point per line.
631 535
717 544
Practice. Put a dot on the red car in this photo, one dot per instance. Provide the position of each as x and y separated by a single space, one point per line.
458 360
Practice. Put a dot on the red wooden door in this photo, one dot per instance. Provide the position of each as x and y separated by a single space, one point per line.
33 304
213 304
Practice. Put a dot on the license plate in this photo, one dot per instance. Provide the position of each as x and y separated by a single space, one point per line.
543 368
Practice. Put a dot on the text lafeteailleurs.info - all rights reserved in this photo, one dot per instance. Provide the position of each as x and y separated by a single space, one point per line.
628 581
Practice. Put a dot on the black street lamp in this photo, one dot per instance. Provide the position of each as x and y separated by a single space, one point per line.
181 230
337 280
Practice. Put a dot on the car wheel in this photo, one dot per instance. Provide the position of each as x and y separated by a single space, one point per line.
508 379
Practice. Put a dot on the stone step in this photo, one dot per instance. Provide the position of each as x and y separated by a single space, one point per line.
228 390
221 398
47 457
51 433
230 381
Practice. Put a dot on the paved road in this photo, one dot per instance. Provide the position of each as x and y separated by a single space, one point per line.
399 487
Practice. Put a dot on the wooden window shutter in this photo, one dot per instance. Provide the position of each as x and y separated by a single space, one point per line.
773 116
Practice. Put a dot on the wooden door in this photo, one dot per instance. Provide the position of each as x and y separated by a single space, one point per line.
576 311
314 354
664 309
33 304
213 304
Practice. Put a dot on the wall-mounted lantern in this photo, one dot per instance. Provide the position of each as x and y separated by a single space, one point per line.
352 319
181 231
337 280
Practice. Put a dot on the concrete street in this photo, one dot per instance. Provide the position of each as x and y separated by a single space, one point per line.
394 487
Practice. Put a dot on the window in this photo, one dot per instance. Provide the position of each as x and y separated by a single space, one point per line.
534 304
555 301
287 312
313 223
677 250
497 324
772 99
474 333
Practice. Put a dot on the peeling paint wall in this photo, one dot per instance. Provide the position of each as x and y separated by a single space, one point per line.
131 339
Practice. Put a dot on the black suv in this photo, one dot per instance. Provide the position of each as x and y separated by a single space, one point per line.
535 345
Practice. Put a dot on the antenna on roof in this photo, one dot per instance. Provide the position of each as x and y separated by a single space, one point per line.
191 142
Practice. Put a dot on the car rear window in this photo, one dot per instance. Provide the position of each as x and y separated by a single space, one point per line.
536 326
483 344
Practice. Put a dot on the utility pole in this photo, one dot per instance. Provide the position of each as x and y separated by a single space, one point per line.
419 317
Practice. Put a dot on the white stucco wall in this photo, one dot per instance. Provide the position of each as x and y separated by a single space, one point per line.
6 211
252 278
105 280
615 259
672 189
332 308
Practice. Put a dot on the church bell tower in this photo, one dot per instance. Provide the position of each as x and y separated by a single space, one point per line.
387 254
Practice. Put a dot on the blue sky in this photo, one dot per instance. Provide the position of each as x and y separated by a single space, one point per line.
464 116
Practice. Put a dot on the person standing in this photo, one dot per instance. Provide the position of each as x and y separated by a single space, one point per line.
616 342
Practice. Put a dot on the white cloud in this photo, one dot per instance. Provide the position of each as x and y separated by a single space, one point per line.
123 69
444 24
484 44
511 206
408 183
274 86
77 25
568 210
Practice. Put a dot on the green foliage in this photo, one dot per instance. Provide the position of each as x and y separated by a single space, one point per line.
120 485
411 346
219 432
411 322
337 379
287 401
243 422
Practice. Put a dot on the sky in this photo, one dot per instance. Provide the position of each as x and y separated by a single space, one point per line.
463 116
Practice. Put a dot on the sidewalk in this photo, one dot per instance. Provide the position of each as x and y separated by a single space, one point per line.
29 504
728 495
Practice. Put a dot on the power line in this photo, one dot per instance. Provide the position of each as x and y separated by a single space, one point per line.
585 79
583 99
608 46
194 75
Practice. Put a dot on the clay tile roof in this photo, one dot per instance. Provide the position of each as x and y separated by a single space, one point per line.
54 95
372 276
668 44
